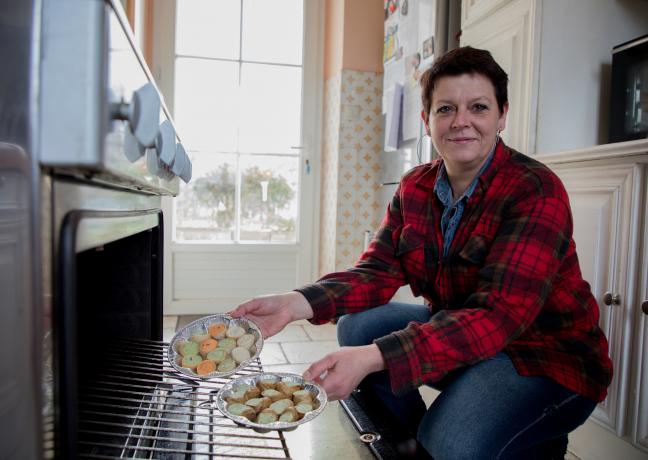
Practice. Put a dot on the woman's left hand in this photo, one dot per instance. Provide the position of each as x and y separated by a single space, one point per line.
340 372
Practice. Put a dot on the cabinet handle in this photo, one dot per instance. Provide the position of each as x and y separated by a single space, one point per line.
644 307
609 298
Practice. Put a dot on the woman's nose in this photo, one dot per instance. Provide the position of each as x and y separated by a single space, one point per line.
460 119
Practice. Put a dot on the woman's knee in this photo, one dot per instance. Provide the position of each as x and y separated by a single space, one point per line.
348 332
443 444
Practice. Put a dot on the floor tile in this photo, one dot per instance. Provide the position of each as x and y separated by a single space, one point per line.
168 333
186 319
290 334
428 394
322 332
272 354
301 322
570 456
169 322
329 435
290 368
308 352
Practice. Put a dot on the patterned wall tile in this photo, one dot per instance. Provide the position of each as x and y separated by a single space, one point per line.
353 134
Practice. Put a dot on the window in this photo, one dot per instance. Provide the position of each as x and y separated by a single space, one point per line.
238 108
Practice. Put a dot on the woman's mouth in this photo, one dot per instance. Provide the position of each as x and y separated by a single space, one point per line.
461 140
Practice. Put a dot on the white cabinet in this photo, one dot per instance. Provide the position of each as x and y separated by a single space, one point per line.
640 432
608 193
506 29
601 198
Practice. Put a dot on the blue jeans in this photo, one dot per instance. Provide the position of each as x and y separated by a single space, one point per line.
484 411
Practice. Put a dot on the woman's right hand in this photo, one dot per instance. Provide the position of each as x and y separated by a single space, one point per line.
271 313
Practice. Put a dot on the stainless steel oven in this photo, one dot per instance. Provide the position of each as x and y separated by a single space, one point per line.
87 151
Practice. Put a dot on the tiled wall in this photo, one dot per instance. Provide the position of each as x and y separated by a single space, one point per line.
351 166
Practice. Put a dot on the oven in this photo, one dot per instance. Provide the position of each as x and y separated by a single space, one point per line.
88 151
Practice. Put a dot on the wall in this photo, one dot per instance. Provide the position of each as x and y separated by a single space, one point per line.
352 130
577 37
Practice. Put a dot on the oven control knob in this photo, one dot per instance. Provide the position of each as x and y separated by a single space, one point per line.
152 161
182 164
144 114
132 148
165 143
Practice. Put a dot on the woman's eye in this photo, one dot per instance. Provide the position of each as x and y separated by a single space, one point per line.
444 109
480 108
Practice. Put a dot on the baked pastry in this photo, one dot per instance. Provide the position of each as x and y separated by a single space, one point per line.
266 384
218 355
290 415
288 388
281 405
206 366
199 337
207 345
217 330
188 348
227 365
304 408
191 361
273 394
258 404
302 396
235 331
237 396
267 416
242 410
252 392
227 344
240 354
246 340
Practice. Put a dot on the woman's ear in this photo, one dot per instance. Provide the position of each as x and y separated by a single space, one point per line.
426 120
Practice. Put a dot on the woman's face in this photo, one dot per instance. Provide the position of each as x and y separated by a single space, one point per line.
464 119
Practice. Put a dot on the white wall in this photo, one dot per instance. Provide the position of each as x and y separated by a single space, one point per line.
577 37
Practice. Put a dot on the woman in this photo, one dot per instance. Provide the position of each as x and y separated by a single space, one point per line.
510 330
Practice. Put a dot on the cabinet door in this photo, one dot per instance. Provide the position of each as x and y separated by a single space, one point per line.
605 214
640 434
508 33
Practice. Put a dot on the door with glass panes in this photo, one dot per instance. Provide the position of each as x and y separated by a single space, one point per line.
245 107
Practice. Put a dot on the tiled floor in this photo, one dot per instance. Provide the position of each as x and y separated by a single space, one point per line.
293 350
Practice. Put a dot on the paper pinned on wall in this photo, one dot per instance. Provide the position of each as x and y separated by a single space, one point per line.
394 112
411 123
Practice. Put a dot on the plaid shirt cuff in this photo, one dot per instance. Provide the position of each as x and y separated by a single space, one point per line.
317 297
396 359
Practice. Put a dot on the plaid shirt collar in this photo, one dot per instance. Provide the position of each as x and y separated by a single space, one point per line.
501 153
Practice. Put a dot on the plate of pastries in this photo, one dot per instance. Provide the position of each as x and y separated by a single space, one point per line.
215 346
271 401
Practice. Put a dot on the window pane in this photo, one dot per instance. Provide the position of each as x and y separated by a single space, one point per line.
206 104
205 208
208 28
268 198
272 31
271 102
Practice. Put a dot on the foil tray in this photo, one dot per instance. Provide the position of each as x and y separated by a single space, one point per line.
199 327
232 385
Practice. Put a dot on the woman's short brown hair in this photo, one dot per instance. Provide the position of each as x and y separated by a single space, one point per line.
465 60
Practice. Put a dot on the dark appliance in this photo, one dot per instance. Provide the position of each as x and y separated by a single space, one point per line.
87 152
629 93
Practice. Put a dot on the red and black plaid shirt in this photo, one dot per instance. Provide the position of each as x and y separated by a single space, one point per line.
510 282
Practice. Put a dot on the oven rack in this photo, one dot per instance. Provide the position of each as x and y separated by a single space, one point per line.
137 406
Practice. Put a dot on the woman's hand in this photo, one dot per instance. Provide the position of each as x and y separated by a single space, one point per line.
344 369
272 312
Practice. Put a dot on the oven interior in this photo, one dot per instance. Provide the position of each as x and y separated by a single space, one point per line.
116 395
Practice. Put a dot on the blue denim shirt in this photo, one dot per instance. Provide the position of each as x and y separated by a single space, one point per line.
452 212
